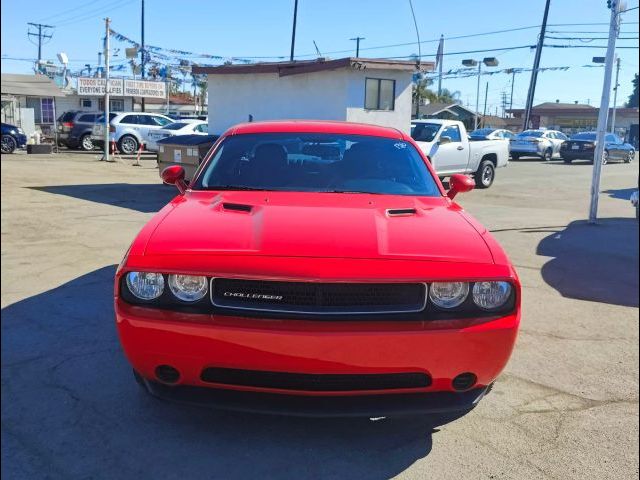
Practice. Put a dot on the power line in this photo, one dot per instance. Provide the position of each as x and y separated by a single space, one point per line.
74 10
96 13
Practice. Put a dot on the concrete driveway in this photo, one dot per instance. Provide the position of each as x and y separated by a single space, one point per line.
565 408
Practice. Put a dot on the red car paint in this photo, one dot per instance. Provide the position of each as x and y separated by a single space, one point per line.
311 237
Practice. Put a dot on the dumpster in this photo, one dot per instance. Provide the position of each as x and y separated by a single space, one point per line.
184 150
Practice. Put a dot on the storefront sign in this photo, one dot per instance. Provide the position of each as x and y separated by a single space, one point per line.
142 88
95 86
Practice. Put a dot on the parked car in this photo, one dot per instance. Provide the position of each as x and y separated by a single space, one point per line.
583 146
179 127
12 137
74 129
541 143
447 145
491 134
297 283
130 129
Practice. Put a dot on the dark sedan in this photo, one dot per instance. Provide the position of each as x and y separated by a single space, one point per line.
12 137
583 145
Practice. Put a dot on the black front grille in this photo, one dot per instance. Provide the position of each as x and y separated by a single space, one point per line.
315 382
318 298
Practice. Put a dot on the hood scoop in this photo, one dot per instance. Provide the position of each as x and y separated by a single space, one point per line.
237 207
401 212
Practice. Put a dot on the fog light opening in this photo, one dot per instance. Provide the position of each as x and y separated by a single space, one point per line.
167 374
464 381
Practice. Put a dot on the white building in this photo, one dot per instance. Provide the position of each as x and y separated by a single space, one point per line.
373 91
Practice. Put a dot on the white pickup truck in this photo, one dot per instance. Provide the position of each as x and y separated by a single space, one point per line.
450 150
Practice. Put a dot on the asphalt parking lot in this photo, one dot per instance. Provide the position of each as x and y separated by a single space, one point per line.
565 408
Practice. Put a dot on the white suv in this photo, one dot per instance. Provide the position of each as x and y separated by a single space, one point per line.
131 129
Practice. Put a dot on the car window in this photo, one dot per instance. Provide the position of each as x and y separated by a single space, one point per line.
561 136
550 135
161 121
453 132
131 119
203 127
584 136
317 162
176 126
89 118
67 116
531 133
147 120
425 132
610 138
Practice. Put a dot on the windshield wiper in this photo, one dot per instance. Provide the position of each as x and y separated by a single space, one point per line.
350 191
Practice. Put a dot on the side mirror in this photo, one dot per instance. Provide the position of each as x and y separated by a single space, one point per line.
444 140
459 183
174 175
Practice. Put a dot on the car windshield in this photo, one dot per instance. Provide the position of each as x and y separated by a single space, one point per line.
310 162
175 126
425 132
481 132
584 136
531 133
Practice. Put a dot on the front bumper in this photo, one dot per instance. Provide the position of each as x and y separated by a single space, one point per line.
442 350
370 406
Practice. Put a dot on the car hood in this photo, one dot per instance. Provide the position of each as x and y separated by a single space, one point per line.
291 224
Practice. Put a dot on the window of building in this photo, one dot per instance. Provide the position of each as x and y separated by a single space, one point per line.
46 110
379 94
85 103
115 105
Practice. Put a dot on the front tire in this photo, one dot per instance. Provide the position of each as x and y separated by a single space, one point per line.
547 155
9 144
128 145
515 156
630 156
605 157
485 174
567 160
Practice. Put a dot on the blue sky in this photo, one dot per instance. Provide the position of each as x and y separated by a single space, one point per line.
252 28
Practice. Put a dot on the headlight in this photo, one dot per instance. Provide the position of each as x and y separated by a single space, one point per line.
20 131
448 294
491 295
188 288
144 285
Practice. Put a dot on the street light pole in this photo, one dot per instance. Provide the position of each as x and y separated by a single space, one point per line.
478 96
603 113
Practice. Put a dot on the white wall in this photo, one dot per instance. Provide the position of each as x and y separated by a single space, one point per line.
266 96
326 95
73 102
399 117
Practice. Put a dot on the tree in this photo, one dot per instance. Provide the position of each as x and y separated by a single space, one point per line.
633 98
422 92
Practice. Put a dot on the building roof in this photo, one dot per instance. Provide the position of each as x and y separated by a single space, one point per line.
173 100
551 108
317 126
437 108
309 66
29 85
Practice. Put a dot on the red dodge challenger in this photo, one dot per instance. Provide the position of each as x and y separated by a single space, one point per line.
317 268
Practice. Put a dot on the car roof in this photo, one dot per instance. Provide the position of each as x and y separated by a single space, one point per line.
315 126
189 121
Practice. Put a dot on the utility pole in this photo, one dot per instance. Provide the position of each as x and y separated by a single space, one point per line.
293 32
40 36
439 58
615 96
536 65
357 40
107 23
604 110
513 81
142 53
